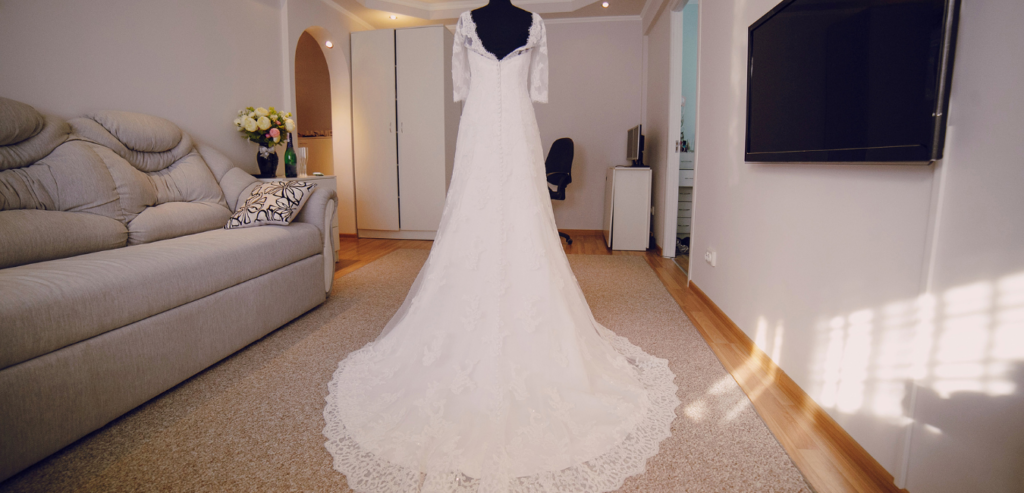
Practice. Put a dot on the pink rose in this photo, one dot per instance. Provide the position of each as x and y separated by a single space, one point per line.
275 133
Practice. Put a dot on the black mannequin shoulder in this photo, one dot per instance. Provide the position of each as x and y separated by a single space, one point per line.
502 27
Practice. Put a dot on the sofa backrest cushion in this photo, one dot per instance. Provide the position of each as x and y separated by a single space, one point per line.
114 165
151 143
26 136
72 178
139 132
56 197
18 121
233 180
153 163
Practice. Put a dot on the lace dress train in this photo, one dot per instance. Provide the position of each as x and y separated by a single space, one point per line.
493 375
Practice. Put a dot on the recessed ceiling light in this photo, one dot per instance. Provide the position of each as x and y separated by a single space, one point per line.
328 44
605 4
393 17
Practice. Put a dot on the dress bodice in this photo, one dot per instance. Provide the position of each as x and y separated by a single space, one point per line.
523 72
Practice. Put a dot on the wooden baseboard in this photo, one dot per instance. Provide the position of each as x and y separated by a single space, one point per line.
349 235
825 453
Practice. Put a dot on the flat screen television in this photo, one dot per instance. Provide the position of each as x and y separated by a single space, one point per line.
850 80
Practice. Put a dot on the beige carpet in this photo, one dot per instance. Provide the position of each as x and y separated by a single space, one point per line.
253 422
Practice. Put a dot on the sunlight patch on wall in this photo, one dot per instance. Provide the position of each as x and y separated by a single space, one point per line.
967 339
777 344
762 335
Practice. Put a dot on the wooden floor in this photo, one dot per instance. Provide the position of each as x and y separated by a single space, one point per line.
827 456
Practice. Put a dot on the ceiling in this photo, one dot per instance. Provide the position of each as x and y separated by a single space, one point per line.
411 13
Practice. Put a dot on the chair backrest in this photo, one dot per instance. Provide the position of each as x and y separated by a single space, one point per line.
560 156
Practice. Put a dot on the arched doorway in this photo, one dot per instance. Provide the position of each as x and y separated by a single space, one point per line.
313 105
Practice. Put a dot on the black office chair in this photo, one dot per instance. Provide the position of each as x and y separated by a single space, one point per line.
559 170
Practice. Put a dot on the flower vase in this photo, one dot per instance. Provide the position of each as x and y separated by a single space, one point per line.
266 158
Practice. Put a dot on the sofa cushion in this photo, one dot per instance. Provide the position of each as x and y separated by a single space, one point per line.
18 121
188 180
218 162
234 183
143 160
27 136
153 165
28 236
139 132
277 202
72 178
174 219
48 305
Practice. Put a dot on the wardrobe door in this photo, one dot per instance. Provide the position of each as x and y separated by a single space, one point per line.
374 129
421 126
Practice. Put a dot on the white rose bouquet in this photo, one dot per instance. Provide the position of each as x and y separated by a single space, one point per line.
263 126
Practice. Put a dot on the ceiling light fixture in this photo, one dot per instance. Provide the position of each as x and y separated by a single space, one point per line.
393 17
605 4
328 44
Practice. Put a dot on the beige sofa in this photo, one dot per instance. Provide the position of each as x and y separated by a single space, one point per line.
117 279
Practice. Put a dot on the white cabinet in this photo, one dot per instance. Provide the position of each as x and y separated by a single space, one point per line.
404 127
627 208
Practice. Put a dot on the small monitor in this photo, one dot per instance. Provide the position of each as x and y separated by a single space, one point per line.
635 146
632 143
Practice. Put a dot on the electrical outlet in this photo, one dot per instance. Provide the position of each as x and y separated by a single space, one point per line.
711 257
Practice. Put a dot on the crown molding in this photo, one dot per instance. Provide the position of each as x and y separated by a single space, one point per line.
347 13
597 18
650 13
451 10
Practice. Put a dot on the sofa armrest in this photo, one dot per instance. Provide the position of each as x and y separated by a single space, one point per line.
317 207
319 210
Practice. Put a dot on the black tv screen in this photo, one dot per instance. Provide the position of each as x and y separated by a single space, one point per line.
850 80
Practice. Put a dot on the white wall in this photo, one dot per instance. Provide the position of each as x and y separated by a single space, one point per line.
193 62
858 278
594 98
969 409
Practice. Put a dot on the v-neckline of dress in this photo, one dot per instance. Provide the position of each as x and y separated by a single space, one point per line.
476 37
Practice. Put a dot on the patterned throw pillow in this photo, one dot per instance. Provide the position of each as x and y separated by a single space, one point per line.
276 202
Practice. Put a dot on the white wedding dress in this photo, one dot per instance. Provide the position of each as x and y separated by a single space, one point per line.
493 375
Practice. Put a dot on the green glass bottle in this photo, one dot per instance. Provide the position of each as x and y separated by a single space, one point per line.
290 160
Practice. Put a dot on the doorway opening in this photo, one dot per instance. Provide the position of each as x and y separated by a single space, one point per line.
313 106
686 145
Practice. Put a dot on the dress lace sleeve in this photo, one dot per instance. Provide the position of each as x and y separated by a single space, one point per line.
539 66
460 64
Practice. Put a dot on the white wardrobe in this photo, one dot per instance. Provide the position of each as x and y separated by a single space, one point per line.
404 127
